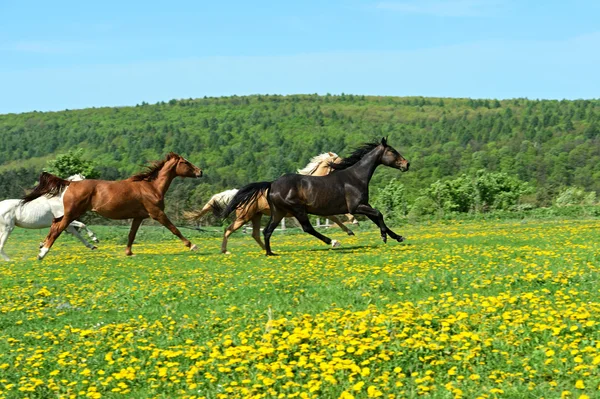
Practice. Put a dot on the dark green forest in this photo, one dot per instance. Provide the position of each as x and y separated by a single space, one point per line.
236 140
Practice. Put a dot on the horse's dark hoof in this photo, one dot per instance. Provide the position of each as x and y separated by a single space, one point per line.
384 239
350 233
94 247
400 239
272 254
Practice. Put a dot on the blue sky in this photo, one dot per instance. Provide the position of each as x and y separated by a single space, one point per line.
76 54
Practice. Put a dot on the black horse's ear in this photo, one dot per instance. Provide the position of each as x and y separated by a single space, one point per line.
384 141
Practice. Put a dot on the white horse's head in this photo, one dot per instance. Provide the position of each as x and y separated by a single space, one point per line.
76 177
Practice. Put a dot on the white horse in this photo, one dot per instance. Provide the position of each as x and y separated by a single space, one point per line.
38 214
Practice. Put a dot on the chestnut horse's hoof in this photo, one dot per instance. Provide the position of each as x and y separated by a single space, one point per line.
193 248
335 244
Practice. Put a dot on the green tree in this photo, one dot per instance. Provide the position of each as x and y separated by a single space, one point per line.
391 200
70 164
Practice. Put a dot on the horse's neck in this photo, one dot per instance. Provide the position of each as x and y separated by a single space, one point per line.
322 170
164 179
365 168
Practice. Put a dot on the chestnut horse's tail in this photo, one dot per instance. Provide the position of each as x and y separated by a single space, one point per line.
49 185
246 196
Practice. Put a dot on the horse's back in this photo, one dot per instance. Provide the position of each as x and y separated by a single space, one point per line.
321 195
121 199
36 214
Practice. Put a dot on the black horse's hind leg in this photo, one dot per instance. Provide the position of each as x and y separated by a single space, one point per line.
377 218
307 227
276 217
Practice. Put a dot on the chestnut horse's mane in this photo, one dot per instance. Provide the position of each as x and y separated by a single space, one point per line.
152 171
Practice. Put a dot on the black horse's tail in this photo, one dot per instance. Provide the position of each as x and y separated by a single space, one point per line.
49 185
245 196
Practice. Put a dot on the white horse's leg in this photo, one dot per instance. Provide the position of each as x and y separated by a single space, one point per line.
72 230
5 230
90 233
4 233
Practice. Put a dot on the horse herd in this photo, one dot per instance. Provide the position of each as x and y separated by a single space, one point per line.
327 186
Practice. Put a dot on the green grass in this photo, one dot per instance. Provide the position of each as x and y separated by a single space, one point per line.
186 321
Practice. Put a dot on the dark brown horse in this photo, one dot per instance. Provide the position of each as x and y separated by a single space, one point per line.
318 166
139 197
345 190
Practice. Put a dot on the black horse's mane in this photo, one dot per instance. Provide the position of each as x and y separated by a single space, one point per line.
356 156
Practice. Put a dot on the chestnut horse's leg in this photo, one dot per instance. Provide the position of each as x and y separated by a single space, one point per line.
237 223
161 217
377 218
337 221
135 225
302 217
256 229
58 226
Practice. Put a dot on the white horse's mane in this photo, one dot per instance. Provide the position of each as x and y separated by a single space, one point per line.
315 162
77 177
224 198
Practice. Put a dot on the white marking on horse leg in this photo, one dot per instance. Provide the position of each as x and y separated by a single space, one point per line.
43 252
335 244
193 248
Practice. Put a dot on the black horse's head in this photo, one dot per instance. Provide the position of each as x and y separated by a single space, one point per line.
392 158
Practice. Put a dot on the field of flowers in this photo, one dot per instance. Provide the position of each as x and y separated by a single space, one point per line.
461 310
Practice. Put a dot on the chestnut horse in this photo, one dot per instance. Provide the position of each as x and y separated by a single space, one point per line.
344 190
318 166
139 197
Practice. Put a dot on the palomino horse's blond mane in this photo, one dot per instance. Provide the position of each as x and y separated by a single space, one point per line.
316 161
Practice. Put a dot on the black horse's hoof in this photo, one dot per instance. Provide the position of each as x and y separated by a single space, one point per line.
400 239
350 233
272 254
384 238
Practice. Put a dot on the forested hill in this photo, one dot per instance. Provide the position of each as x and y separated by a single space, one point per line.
237 140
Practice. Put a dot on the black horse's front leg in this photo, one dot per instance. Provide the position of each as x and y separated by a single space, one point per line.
377 218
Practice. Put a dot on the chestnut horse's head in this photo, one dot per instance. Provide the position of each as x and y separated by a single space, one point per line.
183 167
392 158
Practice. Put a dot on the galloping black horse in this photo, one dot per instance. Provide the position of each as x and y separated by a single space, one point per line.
345 190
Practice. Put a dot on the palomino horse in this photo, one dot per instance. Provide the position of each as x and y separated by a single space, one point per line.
318 166
344 190
139 197
38 214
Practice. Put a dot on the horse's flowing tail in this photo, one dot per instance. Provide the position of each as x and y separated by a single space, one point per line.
216 204
49 185
245 196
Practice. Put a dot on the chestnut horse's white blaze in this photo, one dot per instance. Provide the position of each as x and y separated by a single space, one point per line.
38 214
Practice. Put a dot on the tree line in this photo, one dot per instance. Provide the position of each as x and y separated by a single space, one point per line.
548 145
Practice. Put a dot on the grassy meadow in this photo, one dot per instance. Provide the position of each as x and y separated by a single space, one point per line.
489 309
